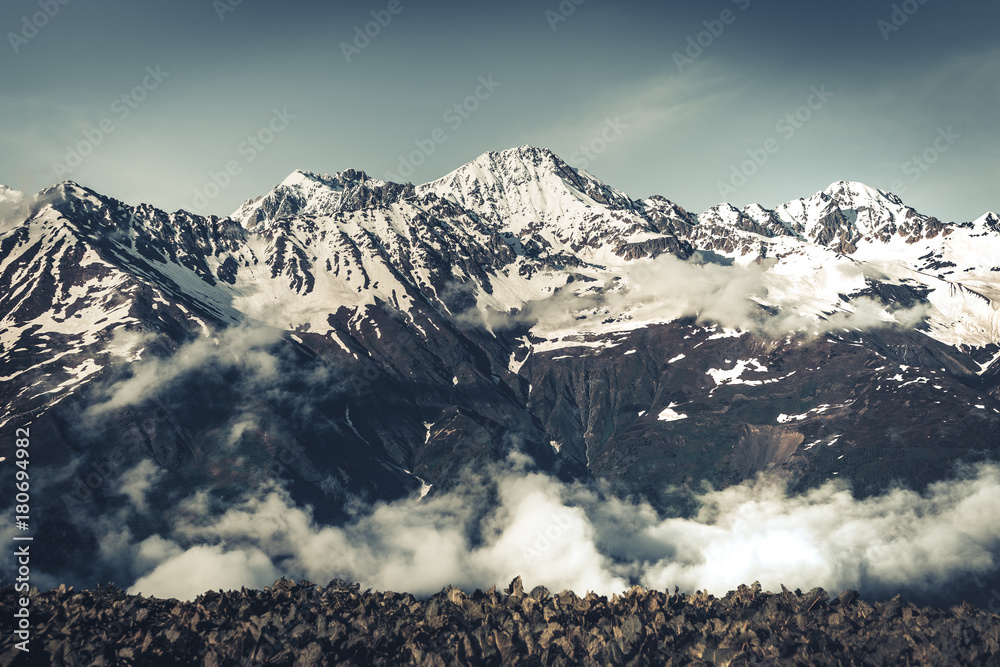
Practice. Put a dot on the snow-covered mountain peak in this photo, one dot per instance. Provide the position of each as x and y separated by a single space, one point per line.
755 210
65 187
726 211
724 215
853 192
523 163
305 193
874 208
848 213
988 220
525 189
67 193
523 154
302 192
310 182
303 179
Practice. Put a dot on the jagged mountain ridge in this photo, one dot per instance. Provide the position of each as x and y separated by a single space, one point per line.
515 221
425 309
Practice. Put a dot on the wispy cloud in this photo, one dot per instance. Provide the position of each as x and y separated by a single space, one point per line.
730 295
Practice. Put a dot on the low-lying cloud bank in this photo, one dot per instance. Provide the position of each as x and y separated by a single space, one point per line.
769 298
569 536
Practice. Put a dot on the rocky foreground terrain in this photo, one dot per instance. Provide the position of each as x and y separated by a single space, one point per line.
304 624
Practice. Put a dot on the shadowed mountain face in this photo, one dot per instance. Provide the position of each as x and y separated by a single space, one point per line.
355 341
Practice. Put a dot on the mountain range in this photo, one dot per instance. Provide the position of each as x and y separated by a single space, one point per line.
359 340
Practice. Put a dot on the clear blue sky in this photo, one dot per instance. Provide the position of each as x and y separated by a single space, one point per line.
682 128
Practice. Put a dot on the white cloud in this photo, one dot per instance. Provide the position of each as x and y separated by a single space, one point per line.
246 347
137 481
568 536
667 288
204 568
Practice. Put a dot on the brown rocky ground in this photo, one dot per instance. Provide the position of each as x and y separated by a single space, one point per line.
303 624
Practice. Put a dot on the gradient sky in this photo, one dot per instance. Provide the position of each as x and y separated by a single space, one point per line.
893 93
